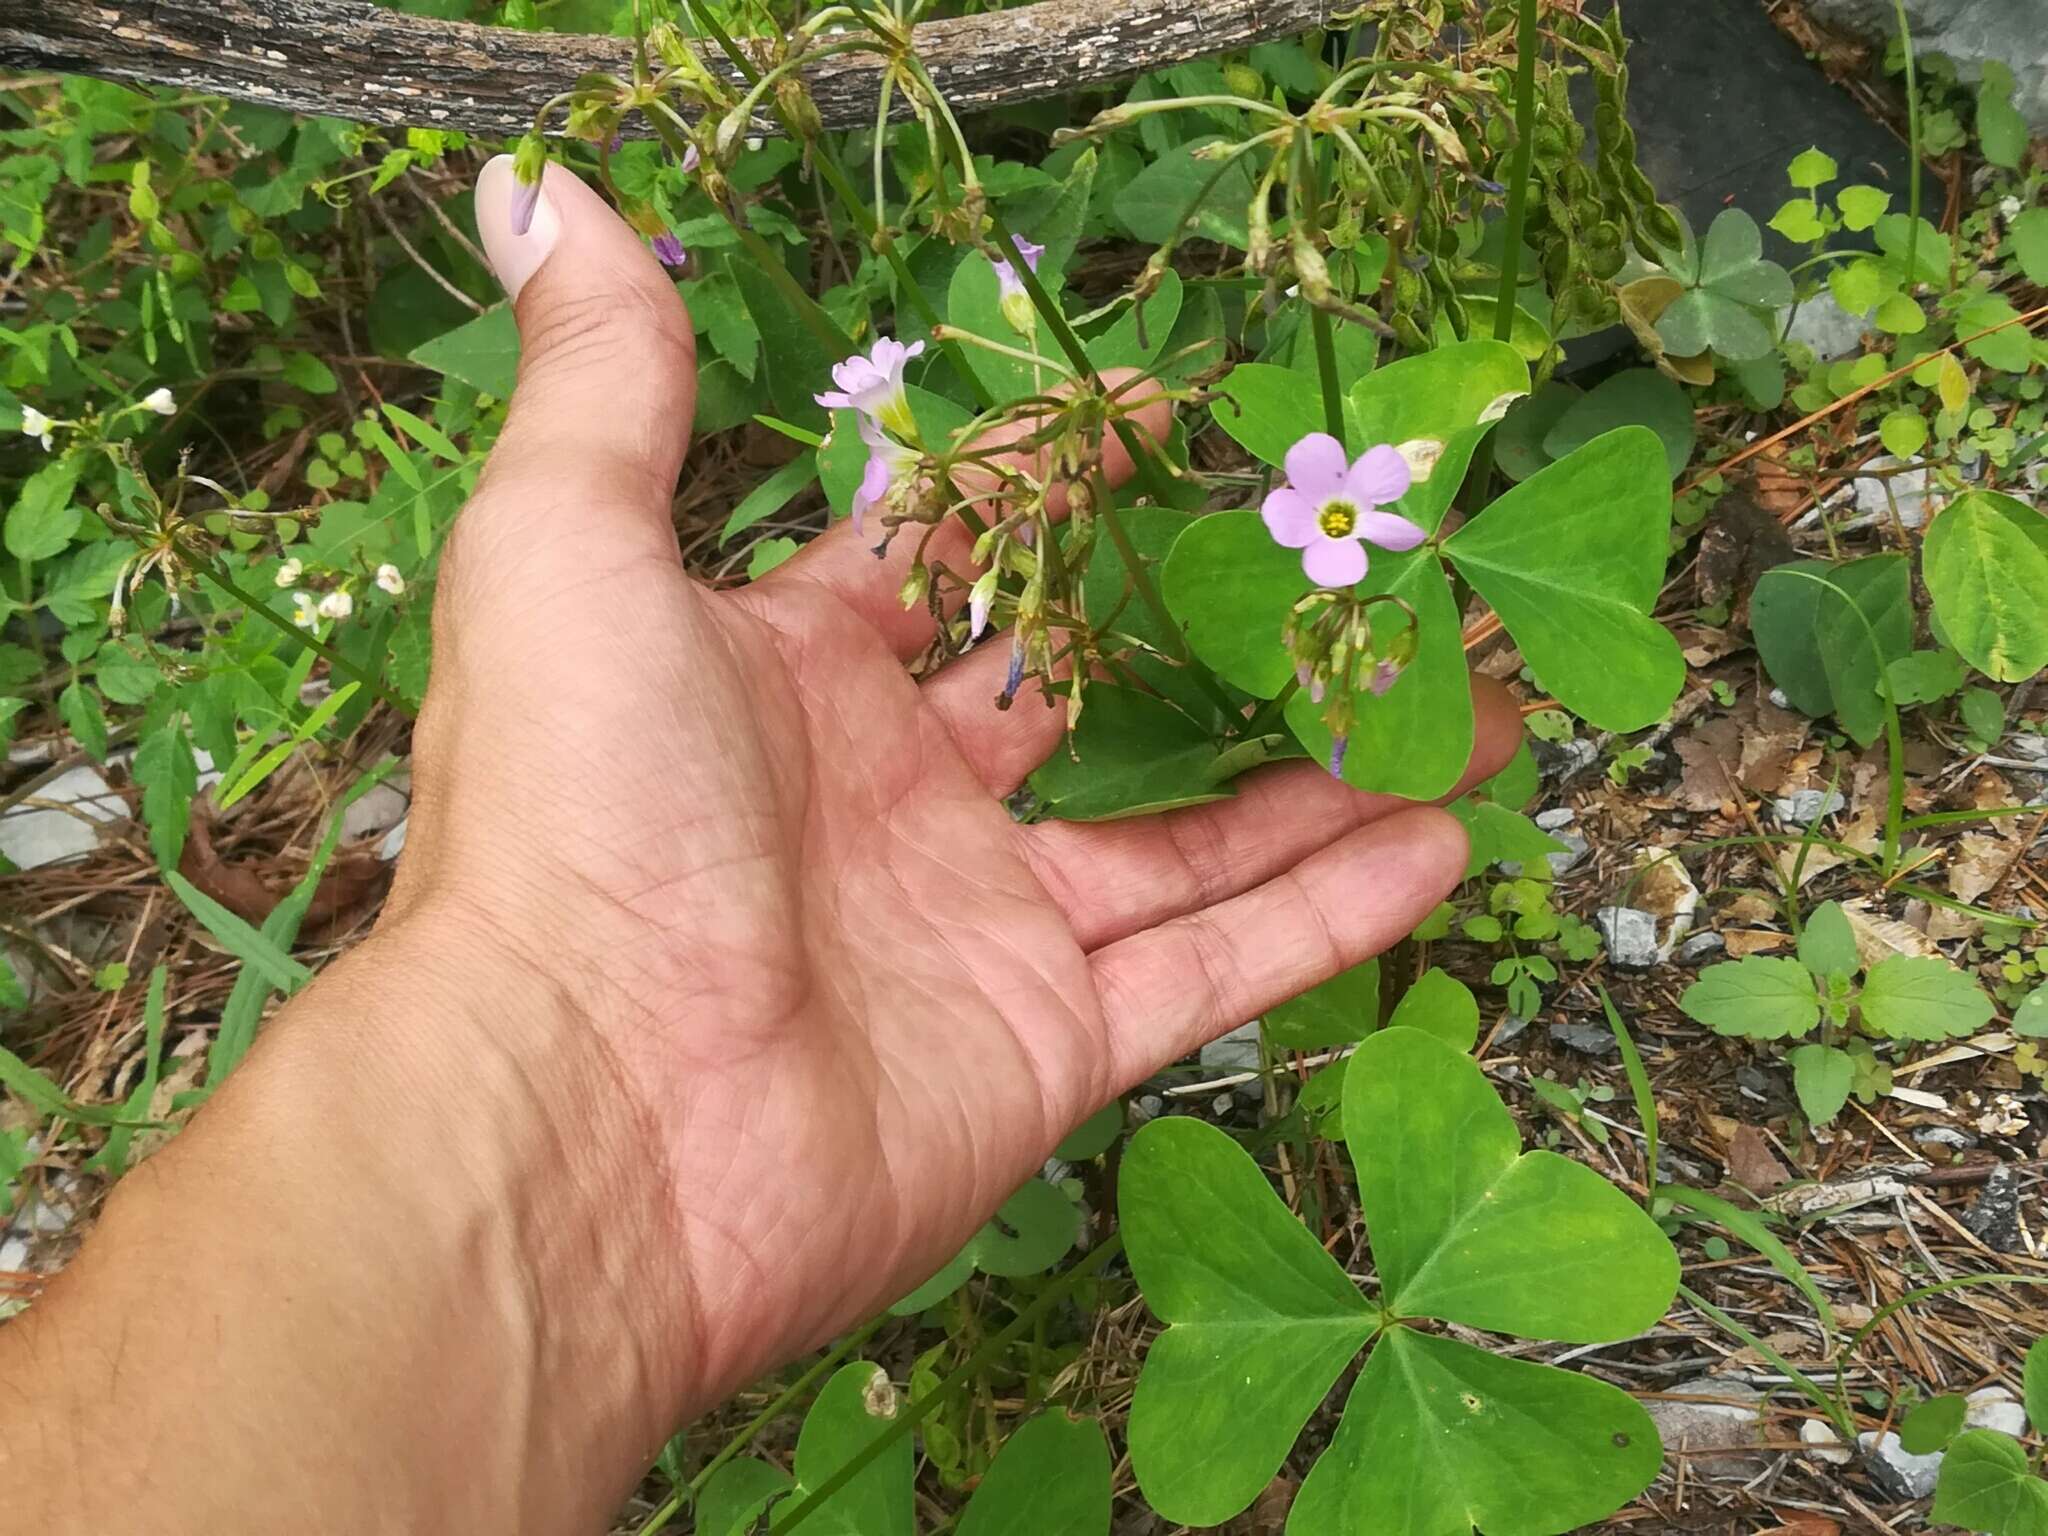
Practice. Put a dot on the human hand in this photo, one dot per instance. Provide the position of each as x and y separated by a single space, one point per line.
848 1002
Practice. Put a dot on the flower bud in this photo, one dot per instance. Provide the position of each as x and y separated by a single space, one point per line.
916 585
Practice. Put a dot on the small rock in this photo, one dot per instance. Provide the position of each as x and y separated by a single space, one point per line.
1827 1445
1589 1039
1944 1136
1911 487
1994 1216
1732 1424
1224 1104
1562 862
1564 760
378 809
1900 1473
2020 744
1822 324
1630 935
14 1254
64 827
394 841
1779 699
1803 807
1699 948
1148 1106
1237 1051
1563 815
1995 1408
1511 1028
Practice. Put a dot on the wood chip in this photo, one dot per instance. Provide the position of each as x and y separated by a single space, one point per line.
1976 862
1752 1163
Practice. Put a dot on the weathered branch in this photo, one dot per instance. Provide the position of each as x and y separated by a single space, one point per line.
351 59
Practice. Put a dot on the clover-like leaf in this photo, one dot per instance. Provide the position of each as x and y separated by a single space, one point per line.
1267 409
1415 739
1441 1005
1986 562
974 304
1121 347
1921 997
1130 754
1827 633
734 1496
1572 560
1766 997
1439 1437
1986 1484
1051 1478
1260 1321
1635 396
1028 1233
854 1406
1436 407
1930 1425
1469 1228
1109 598
1344 1009
1232 588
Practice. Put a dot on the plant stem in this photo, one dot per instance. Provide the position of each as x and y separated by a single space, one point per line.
916 1412
1526 39
1913 143
1319 318
702 15
334 658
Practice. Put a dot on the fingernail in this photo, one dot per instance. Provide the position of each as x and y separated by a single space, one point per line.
503 206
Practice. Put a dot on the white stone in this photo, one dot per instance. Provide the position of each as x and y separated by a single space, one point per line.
378 809
1995 1408
1237 1051
1912 487
1967 32
14 1254
1822 324
394 841
1803 807
1897 1469
1630 934
1827 1445
33 836
1563 815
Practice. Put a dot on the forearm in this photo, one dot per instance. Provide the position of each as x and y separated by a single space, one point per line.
375 1286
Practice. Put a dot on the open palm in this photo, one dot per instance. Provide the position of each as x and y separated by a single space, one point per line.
854 1002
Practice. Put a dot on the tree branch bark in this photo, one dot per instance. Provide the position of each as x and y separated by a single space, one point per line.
351 59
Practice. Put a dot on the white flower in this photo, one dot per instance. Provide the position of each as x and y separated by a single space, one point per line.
389 579
288 574
337 606
35 424
2009 208
160 401
303 613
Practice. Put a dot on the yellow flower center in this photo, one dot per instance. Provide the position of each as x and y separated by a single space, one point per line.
1337 519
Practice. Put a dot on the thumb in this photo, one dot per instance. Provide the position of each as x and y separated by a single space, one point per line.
607 385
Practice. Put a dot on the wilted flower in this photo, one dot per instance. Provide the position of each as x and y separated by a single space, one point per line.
888 462
389 579
304 614
288 575
35 424
1338 748
1329 508
668 250
160 401
1015 301
872 383
337 606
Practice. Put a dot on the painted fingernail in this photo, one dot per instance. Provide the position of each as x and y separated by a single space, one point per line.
518 222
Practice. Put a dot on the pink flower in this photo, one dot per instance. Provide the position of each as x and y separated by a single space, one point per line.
525 200
668 250
1006 274
888 462
873 385
690 160
1329 508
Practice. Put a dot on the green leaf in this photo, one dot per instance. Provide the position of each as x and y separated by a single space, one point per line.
718 311
1416 738
1518 442
1929 1426
1900 315
1797 221
1572 560
1810 168
974 305
1440 403
245 943
2006 345
483 353
734 1496
1986 565
2027 243
1809 619
1827 944
1465 1225
1151 203
1259 1321
772 494
1438 1438
1986 1484
43 517
2001 129
1093 1136
1634 397
1120 347
2030 1018
1859 285
80 710
307 372
1924 677
1921 997
169 776
1131 754
1266 409
1232 588
1493 833
950 1277
1766 997
1821 1076
1749 1226
1983 713
1341 1011
1029 1232
1700 320
1110 598
1931 252
1051 1478
1903 432
1441 1005
2034 1384
1861 205
855 1405
794 359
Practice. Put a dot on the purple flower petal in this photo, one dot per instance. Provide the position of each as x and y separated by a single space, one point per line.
668 250
1316 466
1384 676
834 400
690 160
1389 530
525 200
1334 562
1381 475
1338 748
1290 518
977 613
